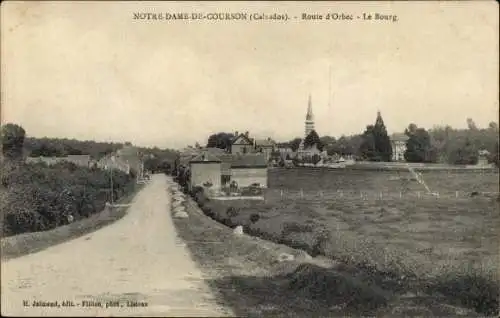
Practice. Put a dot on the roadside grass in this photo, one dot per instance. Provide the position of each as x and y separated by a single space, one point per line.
245 272
27 243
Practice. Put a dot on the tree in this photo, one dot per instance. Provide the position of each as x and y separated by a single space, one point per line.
13 141
494 156
313 139
315 159
295 143
382 141
471 124
493 126
418 145
463 152
367 148
376 144
447 141
220 140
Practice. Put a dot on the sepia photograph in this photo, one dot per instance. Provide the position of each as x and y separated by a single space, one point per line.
249 159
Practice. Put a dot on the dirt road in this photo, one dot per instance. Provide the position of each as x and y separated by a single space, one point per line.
134 267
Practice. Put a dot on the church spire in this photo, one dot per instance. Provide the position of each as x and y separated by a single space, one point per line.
309 115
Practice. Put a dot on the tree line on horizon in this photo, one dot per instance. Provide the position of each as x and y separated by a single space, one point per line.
16 145
441 144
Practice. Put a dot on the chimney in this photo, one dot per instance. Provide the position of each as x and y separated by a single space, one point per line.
246 133
236 133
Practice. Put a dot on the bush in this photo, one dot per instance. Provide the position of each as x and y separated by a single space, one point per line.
232 212
195 191
254 218
40 197
290 227
201 198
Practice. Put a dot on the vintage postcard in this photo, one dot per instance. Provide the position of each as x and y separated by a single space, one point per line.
249 159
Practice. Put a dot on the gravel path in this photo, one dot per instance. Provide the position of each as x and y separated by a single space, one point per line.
136 266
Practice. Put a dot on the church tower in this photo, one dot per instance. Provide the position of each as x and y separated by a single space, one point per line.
309 126
309 118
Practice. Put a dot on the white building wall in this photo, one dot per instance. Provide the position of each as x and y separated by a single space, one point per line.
203 172
246 176
398 150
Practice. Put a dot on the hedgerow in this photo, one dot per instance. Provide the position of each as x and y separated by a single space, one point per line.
37 197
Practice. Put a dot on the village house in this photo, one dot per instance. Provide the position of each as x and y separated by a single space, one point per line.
131 156
205 171
219 171
398 143
286 153
79 160
265 146
242 144
110 161
248 170
482 158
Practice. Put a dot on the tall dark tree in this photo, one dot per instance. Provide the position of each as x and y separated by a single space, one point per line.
376 145
367 149
313 139
220 140
418 145
494 156
382 141
13 141
295 143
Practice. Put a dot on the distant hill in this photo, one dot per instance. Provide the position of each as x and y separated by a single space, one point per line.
61 147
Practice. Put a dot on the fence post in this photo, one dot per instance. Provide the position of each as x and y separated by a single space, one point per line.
281 194
400 194
321 194
301 193
360 195
341 193
456 194
418 194
381 195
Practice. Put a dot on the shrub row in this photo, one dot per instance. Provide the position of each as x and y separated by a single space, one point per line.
38 197
290 233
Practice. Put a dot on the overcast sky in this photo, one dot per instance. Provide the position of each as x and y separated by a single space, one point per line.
89 71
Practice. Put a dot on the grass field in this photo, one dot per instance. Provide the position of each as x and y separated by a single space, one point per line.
246 275
447 245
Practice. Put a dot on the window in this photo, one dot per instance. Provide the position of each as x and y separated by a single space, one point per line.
225 179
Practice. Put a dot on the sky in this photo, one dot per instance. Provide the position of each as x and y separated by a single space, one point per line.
90 71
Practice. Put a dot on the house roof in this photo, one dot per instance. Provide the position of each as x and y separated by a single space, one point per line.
249 161
79 159
214 151
205 157
264 143
185 159
242 139
399 137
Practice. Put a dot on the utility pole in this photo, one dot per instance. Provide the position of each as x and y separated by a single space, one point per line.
111 179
